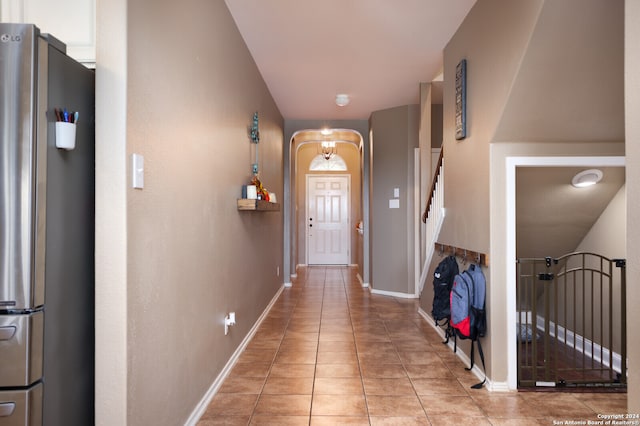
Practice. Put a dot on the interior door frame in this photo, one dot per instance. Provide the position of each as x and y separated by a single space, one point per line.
512 163
306 208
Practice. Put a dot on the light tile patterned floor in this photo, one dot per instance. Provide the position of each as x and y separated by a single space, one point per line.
332 353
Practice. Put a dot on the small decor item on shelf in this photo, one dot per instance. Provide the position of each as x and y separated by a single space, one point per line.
261 191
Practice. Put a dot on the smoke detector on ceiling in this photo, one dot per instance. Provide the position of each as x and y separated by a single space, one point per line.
342 99
587 178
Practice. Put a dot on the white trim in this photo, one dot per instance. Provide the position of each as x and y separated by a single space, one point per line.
490 386
288 285
417 234
511 164
393 294
582 344
498 386
362 283
201 407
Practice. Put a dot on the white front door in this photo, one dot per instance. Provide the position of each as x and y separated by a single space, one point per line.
327 223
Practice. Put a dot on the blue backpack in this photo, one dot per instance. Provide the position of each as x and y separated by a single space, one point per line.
468 303
468 317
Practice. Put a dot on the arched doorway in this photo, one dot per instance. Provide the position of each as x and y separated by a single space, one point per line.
303 150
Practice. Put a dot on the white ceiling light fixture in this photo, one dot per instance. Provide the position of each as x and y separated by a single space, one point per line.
342 99
587 178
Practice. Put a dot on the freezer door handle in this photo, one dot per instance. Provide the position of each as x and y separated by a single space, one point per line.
7 333
6 408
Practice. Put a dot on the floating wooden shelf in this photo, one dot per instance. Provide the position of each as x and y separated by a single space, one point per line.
257 205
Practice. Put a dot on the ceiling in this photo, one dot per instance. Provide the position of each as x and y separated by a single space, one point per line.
552 216
376 51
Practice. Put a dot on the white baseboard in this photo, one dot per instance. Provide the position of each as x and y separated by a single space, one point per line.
582 344
361 281
201 407
498 386
490 385
394 294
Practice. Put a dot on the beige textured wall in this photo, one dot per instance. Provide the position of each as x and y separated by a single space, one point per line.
189 255
395 136
351 155
607 237
492 38
632 112
559 95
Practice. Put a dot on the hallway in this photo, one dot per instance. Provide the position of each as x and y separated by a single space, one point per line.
330 353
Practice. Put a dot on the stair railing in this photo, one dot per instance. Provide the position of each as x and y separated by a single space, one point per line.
433 215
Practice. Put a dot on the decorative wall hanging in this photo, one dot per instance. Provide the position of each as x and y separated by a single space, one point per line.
255 138
461 100
255 196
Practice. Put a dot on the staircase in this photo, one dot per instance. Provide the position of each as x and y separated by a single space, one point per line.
433 217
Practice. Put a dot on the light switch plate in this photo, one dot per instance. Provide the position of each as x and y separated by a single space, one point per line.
396 192
137 174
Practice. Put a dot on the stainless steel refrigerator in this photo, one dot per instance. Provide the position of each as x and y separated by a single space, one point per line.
46 232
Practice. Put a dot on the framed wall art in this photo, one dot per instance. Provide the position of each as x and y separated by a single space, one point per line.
461 100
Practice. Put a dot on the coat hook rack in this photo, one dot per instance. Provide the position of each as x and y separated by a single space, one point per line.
464 254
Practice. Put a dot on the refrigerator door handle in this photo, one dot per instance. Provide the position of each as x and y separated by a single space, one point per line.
7 333
6 408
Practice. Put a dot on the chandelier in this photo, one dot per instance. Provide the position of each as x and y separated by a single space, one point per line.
328 149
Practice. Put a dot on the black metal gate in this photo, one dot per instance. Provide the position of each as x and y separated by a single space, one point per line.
571 314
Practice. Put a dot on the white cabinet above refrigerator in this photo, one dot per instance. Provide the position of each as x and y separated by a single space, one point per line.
73 21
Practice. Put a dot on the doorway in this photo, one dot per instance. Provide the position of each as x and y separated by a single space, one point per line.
512 165
327 219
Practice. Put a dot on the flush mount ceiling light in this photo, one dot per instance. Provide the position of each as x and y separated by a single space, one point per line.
342 99
326 132
586 178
